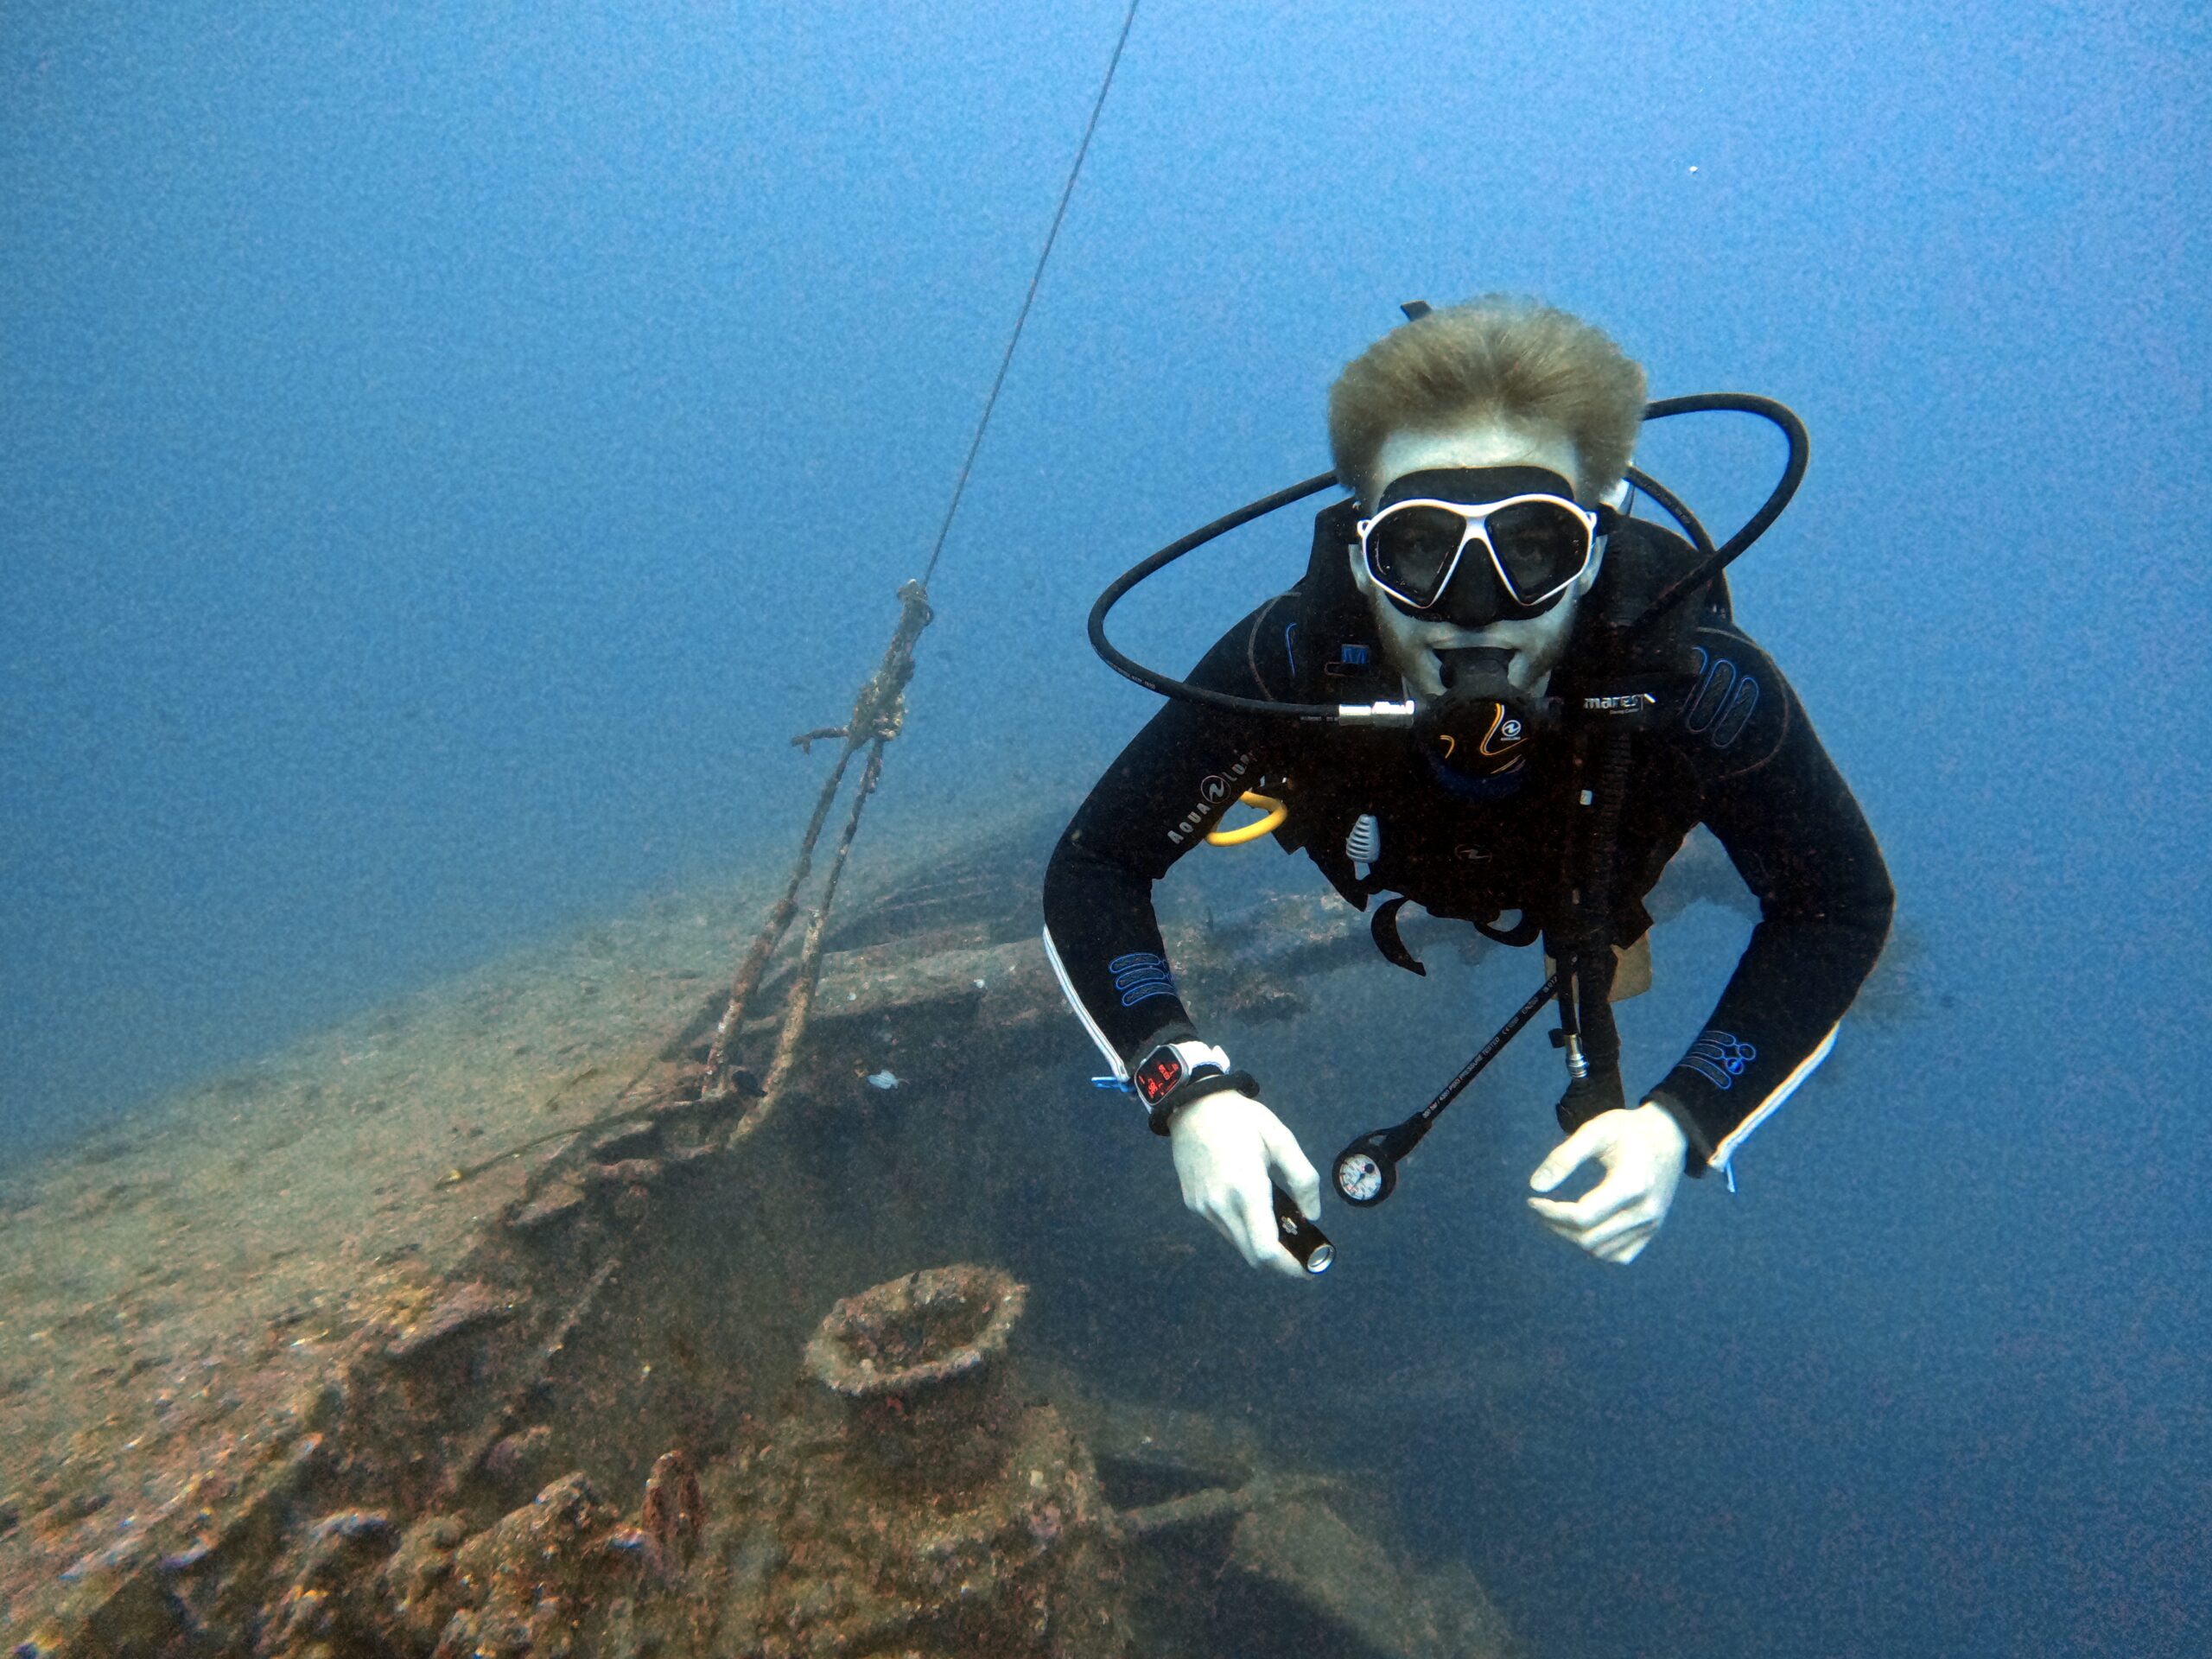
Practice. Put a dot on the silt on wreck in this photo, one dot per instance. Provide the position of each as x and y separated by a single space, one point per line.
606 1392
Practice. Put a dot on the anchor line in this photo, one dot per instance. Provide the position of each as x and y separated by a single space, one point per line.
878 715
1036 277
879 712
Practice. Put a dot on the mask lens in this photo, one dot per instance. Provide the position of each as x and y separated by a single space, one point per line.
1541 547
1410 550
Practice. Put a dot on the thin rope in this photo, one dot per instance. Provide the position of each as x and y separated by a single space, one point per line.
960 487
800 1006
879 713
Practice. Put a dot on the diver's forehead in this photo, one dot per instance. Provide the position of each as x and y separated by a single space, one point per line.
1469 485
1475 444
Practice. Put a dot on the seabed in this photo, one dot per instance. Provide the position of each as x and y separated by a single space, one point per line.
273 1381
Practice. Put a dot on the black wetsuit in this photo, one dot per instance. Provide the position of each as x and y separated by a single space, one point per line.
1738 754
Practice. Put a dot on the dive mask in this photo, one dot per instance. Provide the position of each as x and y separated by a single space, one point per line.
1473 545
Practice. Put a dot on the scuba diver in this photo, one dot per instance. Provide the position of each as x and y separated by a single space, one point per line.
1577 697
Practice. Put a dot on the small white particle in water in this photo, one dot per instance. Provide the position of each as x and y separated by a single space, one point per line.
1693 169
979 984
883 1080
852 996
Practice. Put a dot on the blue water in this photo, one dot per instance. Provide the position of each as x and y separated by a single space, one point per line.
441 461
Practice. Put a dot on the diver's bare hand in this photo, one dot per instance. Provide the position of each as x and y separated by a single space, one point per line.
1230 1153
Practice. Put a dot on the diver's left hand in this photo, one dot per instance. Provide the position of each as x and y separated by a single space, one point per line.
1641 1151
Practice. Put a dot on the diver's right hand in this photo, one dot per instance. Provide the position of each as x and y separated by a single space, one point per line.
1230 1151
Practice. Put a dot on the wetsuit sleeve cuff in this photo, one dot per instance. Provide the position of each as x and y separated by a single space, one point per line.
1699 1152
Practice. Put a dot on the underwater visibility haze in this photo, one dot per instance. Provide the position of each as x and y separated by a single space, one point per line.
444 458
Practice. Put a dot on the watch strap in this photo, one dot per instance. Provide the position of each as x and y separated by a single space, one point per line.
1162 1116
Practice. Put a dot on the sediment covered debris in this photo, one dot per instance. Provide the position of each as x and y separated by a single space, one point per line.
464 1308
915 1502
559 1405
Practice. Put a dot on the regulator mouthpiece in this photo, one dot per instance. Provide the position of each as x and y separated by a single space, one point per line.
1481 725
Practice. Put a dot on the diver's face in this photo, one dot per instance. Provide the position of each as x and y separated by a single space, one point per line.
1410 643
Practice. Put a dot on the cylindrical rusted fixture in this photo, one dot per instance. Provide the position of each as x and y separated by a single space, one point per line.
920 1362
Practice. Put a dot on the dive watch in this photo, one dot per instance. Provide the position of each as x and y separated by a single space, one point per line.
1173 1075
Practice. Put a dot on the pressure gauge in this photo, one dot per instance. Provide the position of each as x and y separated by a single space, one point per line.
1364 1173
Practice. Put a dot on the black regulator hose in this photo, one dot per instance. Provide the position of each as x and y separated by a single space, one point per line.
1676 507
1131 669
1793 473
1717 559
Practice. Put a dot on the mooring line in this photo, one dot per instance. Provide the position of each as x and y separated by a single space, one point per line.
1029 299
878 713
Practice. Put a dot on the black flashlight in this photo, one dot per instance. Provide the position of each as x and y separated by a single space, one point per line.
1307 1242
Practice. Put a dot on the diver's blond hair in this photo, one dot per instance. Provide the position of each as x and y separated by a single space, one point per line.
1495 356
